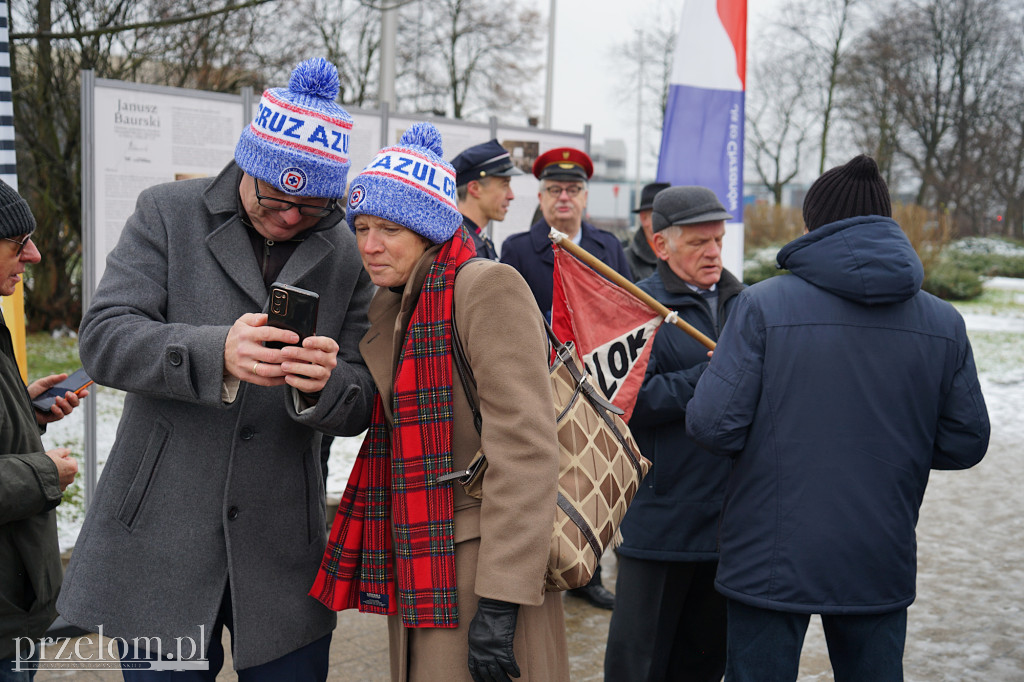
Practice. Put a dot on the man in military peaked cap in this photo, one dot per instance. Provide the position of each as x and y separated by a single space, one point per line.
563 173
483 177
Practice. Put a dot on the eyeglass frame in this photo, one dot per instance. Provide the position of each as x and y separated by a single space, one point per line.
579 189
320 211
21 244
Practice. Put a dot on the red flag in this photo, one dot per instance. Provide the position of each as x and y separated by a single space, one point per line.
611 328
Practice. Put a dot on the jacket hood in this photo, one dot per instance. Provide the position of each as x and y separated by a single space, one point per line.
867 259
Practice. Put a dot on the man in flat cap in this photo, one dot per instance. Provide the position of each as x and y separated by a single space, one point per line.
640 250
669 622
834 391
483 179
563 175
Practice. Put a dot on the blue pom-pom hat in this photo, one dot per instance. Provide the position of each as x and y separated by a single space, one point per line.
410 184
299 140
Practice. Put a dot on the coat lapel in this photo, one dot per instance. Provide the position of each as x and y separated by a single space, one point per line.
229 244
313 249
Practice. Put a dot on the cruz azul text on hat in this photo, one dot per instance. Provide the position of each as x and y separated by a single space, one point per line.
299 140
409 184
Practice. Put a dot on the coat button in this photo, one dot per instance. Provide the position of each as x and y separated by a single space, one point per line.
232 513
174 357
247 433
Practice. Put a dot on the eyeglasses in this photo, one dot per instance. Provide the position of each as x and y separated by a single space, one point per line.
275 204
555 191
21 244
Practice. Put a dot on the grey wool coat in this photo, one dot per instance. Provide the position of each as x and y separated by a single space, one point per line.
501 543
196 491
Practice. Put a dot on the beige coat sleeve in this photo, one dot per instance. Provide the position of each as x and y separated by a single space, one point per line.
503 334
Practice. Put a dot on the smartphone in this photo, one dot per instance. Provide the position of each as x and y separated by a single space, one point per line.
294 309
76 382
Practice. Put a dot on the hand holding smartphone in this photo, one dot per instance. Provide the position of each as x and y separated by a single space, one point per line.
76 382
293 309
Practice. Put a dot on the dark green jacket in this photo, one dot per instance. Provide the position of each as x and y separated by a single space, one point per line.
30 568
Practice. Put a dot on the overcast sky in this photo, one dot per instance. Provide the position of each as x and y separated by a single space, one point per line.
587 32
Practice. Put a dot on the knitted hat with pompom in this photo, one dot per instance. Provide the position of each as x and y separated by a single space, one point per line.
298 142
410 184
848 191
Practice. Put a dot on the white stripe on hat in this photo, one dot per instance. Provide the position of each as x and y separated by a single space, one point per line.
417 170
302 129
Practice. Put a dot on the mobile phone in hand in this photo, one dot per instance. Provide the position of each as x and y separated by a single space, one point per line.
293 309
76 382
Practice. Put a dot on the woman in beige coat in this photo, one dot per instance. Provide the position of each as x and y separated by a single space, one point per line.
461 579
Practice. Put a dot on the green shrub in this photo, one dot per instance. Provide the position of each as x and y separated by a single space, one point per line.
950 281
760 264
988 256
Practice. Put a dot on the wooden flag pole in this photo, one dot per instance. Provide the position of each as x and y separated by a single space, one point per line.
563 241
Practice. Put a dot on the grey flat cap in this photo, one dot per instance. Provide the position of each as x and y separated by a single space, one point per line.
686 206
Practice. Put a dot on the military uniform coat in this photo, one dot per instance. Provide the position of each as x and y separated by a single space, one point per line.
197 491
502 542
530 253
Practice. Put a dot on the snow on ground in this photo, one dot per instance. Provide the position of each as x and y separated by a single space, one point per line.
968 620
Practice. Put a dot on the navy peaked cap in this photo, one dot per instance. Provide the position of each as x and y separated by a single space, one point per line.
481 160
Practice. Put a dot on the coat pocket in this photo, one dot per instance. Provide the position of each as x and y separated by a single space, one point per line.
136 495
316 503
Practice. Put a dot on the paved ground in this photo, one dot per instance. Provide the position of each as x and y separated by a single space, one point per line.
359 647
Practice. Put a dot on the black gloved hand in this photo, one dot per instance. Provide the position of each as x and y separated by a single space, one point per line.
490 641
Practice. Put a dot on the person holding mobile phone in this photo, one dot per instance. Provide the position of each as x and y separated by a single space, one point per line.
210 510
32 479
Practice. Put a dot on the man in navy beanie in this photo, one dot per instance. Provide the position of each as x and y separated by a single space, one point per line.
835 390
210 510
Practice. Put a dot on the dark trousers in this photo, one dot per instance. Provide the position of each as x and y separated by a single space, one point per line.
668 623
306 664
765 645
7 665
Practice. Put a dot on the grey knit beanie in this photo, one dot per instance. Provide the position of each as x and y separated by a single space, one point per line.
15 216
853 189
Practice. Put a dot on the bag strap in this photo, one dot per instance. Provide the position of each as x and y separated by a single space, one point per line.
563 352
460 361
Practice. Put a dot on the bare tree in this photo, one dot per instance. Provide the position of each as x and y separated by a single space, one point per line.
465 57
347 34
869 97
52 41
943 66
778 123
643 63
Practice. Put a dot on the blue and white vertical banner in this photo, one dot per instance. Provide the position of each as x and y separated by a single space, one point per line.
8 169
702 135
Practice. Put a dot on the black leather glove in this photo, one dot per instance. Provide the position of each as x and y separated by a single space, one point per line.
490 641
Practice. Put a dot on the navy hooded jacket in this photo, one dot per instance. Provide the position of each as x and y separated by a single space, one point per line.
836 389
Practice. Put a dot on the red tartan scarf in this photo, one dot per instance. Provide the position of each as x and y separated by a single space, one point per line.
391 492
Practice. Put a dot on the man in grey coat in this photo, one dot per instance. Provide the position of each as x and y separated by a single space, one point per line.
210 510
